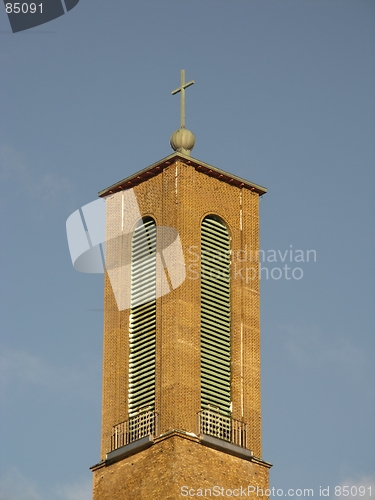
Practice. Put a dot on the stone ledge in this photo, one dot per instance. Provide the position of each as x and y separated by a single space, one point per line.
204 439
226 447
129 449
232 449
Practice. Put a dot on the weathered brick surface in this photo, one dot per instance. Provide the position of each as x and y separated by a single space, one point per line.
160 472
180 197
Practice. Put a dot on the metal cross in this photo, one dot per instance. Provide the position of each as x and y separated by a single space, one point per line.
182 99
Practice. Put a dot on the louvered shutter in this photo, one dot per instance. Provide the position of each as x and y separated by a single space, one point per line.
142 325
215 315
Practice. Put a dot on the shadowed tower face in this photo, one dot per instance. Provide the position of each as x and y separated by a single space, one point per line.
181 367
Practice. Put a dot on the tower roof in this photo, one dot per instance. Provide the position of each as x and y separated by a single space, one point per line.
200 166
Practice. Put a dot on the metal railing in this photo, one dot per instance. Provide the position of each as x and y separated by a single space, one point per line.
141 425
213 423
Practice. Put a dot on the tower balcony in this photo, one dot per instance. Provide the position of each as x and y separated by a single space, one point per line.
214 429
220 426
142 425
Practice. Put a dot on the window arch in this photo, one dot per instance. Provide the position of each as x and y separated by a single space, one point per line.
215 315
142 322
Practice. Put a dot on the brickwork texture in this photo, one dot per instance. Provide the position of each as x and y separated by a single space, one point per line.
162 471
180 197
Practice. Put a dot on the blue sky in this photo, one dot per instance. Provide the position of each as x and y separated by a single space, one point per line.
284 97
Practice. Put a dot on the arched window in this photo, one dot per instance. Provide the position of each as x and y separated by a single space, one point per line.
142 323
215 315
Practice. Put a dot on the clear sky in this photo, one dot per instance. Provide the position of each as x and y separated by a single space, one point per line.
284 97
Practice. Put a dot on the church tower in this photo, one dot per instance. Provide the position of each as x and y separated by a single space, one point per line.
181 409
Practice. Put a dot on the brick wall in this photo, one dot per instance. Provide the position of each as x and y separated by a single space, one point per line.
160 472
180 197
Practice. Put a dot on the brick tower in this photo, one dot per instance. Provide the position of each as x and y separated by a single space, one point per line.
181 372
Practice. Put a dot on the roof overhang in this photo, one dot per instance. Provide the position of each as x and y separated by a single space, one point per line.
200 166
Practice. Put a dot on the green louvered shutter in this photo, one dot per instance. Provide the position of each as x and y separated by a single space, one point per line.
215 315
142 317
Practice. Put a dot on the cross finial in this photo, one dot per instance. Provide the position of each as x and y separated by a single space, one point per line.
182 98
